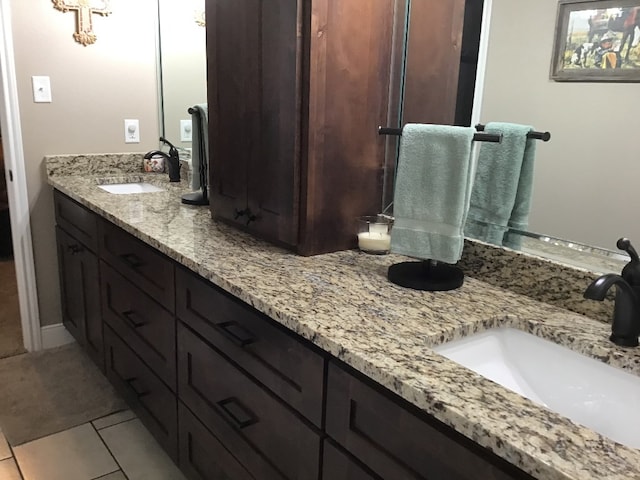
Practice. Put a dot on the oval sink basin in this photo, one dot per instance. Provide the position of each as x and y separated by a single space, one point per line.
589 392
126 188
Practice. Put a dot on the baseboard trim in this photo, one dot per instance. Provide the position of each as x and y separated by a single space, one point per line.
55 336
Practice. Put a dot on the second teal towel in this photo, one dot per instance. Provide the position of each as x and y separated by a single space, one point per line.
432 191
501 196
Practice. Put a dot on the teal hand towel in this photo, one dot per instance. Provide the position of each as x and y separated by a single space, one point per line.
501 195
432 192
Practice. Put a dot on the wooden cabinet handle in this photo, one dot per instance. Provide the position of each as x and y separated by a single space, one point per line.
236 333
240 415
131 316
130 382
132 260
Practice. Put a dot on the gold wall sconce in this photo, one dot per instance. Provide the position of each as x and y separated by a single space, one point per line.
84 13
199 17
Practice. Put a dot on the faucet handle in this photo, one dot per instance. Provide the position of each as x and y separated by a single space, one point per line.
631 271
625 245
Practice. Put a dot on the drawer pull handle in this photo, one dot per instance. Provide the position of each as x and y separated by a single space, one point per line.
74 249
130 316
240 213
236 333
132 260
239 415
130 382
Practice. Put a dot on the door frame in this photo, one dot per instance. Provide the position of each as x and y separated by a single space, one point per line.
483 50
17 186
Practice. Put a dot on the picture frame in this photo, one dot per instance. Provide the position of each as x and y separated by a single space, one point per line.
597 41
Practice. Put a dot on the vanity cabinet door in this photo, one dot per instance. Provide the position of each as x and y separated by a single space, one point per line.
145 266
337 465
151 399
253 52
400 445
277 359
270 441
201 455
144 325
80 291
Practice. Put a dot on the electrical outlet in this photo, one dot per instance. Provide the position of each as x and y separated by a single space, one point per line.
131 131
185 130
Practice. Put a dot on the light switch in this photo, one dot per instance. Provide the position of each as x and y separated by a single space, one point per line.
41 89
131 131
185 130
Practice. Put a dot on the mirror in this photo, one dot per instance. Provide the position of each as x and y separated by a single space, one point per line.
182 65
585 179
585 184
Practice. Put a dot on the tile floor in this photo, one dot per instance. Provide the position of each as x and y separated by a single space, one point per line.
116 447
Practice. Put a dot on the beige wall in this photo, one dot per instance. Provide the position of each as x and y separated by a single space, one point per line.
184 63
94 89
587 176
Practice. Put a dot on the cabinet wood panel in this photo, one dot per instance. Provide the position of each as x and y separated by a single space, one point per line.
151 399
396 444
266 437
201 455
144 325
433 61
337 465
80 294
350 46
150 270
275 358
255 98
78 221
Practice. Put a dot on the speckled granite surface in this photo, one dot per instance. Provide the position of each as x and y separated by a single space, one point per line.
343 303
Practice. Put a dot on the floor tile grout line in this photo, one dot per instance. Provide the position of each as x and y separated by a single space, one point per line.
15 460
109 450
113 424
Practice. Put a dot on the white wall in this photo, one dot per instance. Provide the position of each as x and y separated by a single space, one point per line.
94 89
587 178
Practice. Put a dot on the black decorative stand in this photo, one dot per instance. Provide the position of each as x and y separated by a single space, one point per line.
426 275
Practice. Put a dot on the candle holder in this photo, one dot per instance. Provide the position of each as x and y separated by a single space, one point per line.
374 234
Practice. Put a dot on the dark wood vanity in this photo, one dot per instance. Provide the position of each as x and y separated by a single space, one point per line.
297 90
228 392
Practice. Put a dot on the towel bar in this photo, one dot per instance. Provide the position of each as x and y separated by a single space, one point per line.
478 137
544 136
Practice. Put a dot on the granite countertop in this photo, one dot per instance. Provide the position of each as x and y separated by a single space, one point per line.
343 303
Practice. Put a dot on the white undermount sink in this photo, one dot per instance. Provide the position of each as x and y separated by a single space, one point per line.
591 393
126 188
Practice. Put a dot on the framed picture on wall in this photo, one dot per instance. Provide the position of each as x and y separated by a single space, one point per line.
597 41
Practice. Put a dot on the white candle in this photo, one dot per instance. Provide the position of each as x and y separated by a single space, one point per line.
374 242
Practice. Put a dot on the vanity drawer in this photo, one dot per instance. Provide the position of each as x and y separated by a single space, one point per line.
76 220
151 399
201 455
264 435
337 465
145 326
277 359
150 270
397 444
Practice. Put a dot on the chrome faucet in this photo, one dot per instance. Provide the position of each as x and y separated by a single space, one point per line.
172 160
625 328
